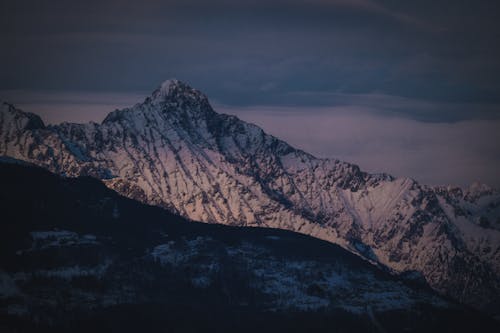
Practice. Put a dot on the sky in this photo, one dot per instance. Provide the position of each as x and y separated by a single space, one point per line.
406 87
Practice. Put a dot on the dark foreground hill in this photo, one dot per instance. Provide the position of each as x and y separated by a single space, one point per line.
76 256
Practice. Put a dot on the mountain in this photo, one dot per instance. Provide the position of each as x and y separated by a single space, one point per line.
174 151
76 256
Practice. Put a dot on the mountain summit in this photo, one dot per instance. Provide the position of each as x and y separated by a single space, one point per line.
171 96
173 89
174 151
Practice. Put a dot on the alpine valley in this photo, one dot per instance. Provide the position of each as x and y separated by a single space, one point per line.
174 151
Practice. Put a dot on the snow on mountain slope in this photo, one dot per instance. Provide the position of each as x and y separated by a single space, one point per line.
173 150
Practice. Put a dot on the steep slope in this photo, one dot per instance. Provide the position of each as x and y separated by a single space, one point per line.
173 150
75 257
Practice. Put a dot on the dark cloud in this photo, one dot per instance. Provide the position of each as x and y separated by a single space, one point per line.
274 52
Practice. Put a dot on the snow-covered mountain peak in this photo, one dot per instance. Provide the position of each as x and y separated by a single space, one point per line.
173 91
173 99
166 88
14 121
170 84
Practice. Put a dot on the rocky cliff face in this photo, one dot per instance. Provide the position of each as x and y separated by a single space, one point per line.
173 150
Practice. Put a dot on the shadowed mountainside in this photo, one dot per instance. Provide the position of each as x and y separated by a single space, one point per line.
76 255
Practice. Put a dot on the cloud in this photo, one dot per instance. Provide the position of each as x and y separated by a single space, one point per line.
258 52
378 8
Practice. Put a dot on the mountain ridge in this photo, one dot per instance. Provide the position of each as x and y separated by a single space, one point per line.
173 150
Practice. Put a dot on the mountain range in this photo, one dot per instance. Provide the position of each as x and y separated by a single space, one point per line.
174 151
